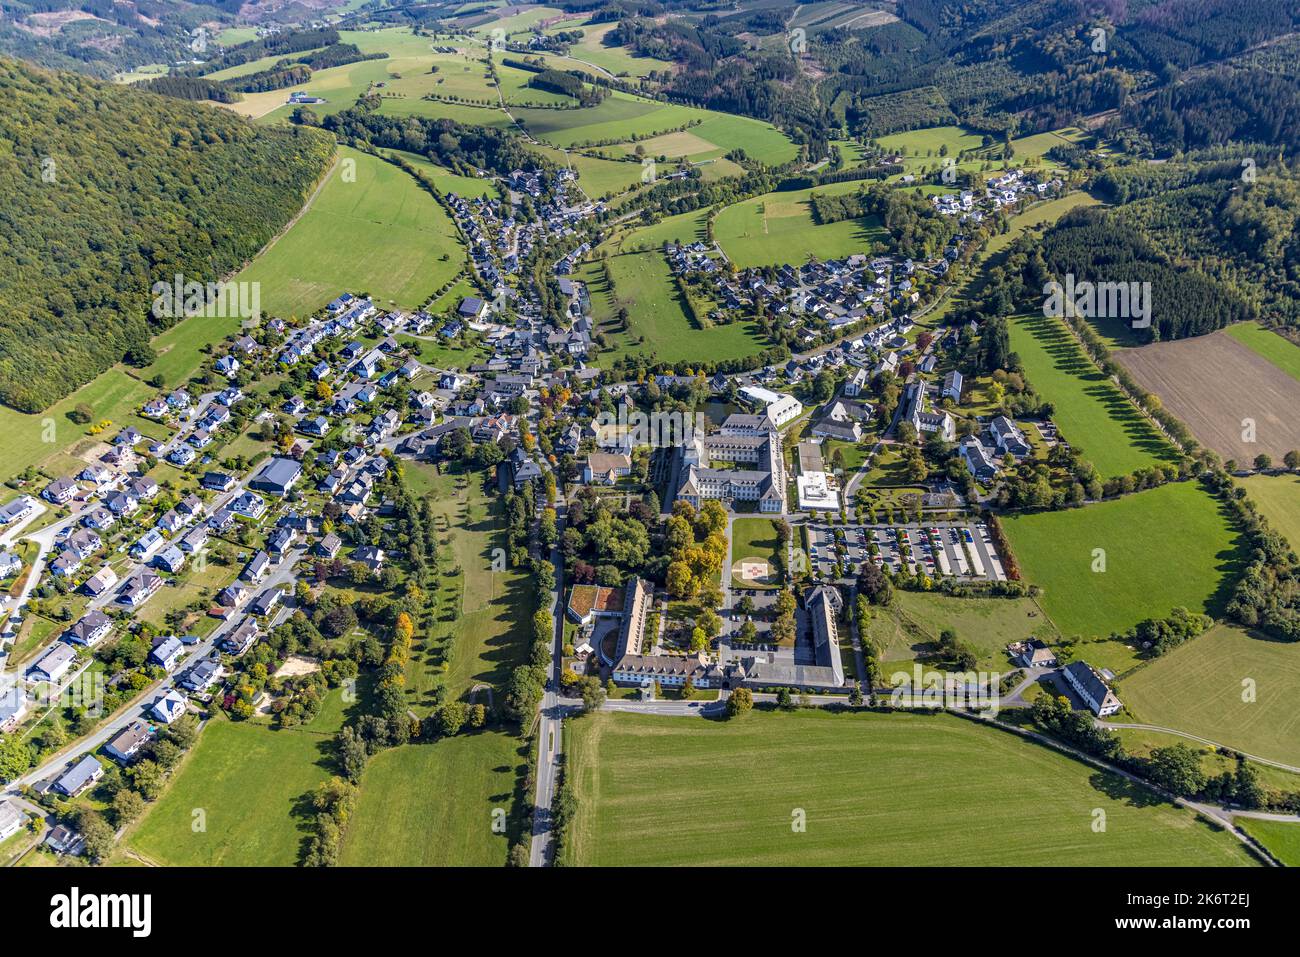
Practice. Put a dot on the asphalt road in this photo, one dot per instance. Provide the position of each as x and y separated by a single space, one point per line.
282 573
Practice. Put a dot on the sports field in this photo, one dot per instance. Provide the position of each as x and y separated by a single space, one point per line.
1278 498
1164 547
1283 353
432 805
378 233
754 541
248 780
1199 688
778 228
1091 411
643 284
872 789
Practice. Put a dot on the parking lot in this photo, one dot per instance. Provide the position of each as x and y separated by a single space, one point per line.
961 550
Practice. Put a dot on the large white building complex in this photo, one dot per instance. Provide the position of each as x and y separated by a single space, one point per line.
749 465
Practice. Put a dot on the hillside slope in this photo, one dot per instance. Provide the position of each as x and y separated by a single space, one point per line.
105 190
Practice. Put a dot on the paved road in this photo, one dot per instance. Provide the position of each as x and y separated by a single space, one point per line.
1195 737
553 710
281 574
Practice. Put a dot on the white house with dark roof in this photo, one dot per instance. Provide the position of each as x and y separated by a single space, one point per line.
1095 693
91 628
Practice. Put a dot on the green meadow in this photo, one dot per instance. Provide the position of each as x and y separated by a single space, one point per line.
435 805
1198 688
1164 547
1282 838
658 323
1091 411
818 788
248 780
1278 498
370 229
778 228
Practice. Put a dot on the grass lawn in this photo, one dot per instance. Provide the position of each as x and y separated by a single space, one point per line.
1283 353
682 228
910 627
445 181
1091 411
1278 498
778 228
1198 688
1164 547
875 789
486 613
50 436
431 805
380 234
644 285
1281 838
249 780
753 538
597 177
191 583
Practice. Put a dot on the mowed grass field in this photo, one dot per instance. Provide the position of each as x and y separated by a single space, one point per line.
50 439
876 790
778 228
643 284
248 779
431 805
1282 352
1278 498
379 233
682 228
487 614
1198 688
1164 547
445 181
597 177
1091 411
622 117
910 627
1280 837
754 538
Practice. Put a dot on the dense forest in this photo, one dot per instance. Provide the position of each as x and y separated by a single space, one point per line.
1104 246
104 37
112 190
191 88
568 84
